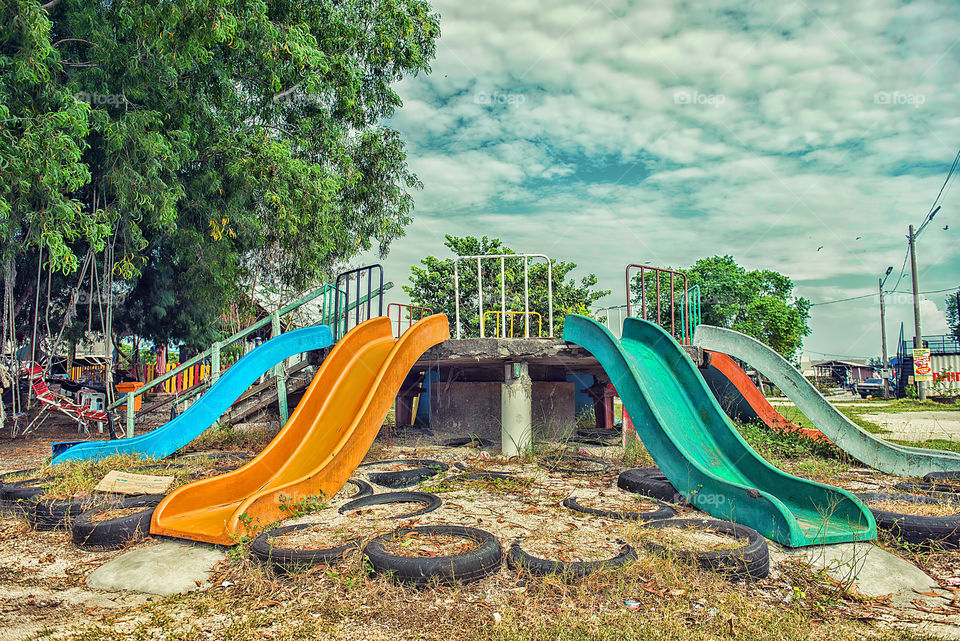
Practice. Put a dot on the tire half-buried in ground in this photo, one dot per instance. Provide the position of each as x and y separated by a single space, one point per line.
420 470
474 441
913 528
92 531
661 512
584 465
650 481
285 560
750 561
569 570
430 502
469 566
54 514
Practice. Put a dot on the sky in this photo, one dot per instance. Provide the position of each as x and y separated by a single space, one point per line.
800 137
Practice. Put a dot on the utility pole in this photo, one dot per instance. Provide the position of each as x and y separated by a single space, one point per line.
917 336
883 338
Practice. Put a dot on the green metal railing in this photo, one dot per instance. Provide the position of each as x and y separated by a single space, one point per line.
328 316
690 312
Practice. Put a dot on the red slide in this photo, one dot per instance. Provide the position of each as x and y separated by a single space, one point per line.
758 405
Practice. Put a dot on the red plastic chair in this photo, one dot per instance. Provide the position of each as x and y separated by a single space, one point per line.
82 414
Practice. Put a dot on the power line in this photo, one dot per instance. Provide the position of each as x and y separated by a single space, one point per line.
892 291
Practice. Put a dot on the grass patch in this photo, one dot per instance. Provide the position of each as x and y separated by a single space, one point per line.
225 436
934 444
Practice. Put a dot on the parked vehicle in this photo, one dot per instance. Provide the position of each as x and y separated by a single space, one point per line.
872 387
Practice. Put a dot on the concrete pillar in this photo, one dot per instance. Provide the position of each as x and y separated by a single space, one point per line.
516 428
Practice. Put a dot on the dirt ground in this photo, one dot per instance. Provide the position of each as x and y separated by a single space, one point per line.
42 589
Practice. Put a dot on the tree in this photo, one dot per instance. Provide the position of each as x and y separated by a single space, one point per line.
759 303
953 313
432 287
211 140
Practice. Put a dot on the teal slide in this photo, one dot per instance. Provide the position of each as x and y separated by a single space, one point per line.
699 449
205 411
847 435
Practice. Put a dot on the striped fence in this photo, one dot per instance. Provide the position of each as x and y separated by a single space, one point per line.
182 381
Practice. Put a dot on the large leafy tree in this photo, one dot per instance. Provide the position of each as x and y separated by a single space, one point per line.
432 286
759 303
215 140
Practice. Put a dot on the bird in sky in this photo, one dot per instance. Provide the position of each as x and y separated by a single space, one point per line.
820 247
858 237
946 227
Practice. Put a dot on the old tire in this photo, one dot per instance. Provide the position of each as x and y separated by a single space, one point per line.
474 441
57 514
430 502
399 479
749 562
650 481
363 488
569 570
912 528
558 466
20 496
111 534
928 486
460 568
285 560
662 512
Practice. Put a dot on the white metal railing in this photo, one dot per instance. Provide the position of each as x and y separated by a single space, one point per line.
607 313
503 288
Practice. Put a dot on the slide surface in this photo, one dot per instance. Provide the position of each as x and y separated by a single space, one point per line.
848 436
318 449
700 451
741 399
170 437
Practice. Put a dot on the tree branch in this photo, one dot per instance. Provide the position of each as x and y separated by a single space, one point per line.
50 6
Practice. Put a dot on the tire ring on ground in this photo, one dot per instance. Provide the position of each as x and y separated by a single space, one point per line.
663 512
749 562
363 488
430 502
603 434
603 466
115 533
3 477
650 481
912 528
569 570
460 568
399 479
475 441
933 477
58 514
20 496
926 486
285 560
589 440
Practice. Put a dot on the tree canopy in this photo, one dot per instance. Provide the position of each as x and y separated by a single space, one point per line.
432 286
209 142
953 313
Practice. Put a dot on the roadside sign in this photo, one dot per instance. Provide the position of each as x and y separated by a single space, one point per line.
922 371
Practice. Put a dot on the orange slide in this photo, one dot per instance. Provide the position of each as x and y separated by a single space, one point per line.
318 449
755 398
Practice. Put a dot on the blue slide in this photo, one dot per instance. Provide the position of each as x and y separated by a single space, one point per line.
169 438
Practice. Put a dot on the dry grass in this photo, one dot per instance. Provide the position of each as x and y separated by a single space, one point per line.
917 509
116 513
426 545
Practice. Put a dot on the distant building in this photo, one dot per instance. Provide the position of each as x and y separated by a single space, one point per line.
843 373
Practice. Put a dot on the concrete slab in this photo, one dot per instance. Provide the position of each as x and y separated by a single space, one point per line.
919 426
166 568
875 571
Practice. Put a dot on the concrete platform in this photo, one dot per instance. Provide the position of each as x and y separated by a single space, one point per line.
919 426
875 571
166 568
483 358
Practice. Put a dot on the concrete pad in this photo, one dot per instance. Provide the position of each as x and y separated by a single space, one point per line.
875 571
167 568
919 426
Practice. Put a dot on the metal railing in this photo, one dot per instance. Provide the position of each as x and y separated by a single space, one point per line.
690 313
363 306
513 314
939 344
606 314
503 288
213 355
658 272
412 310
